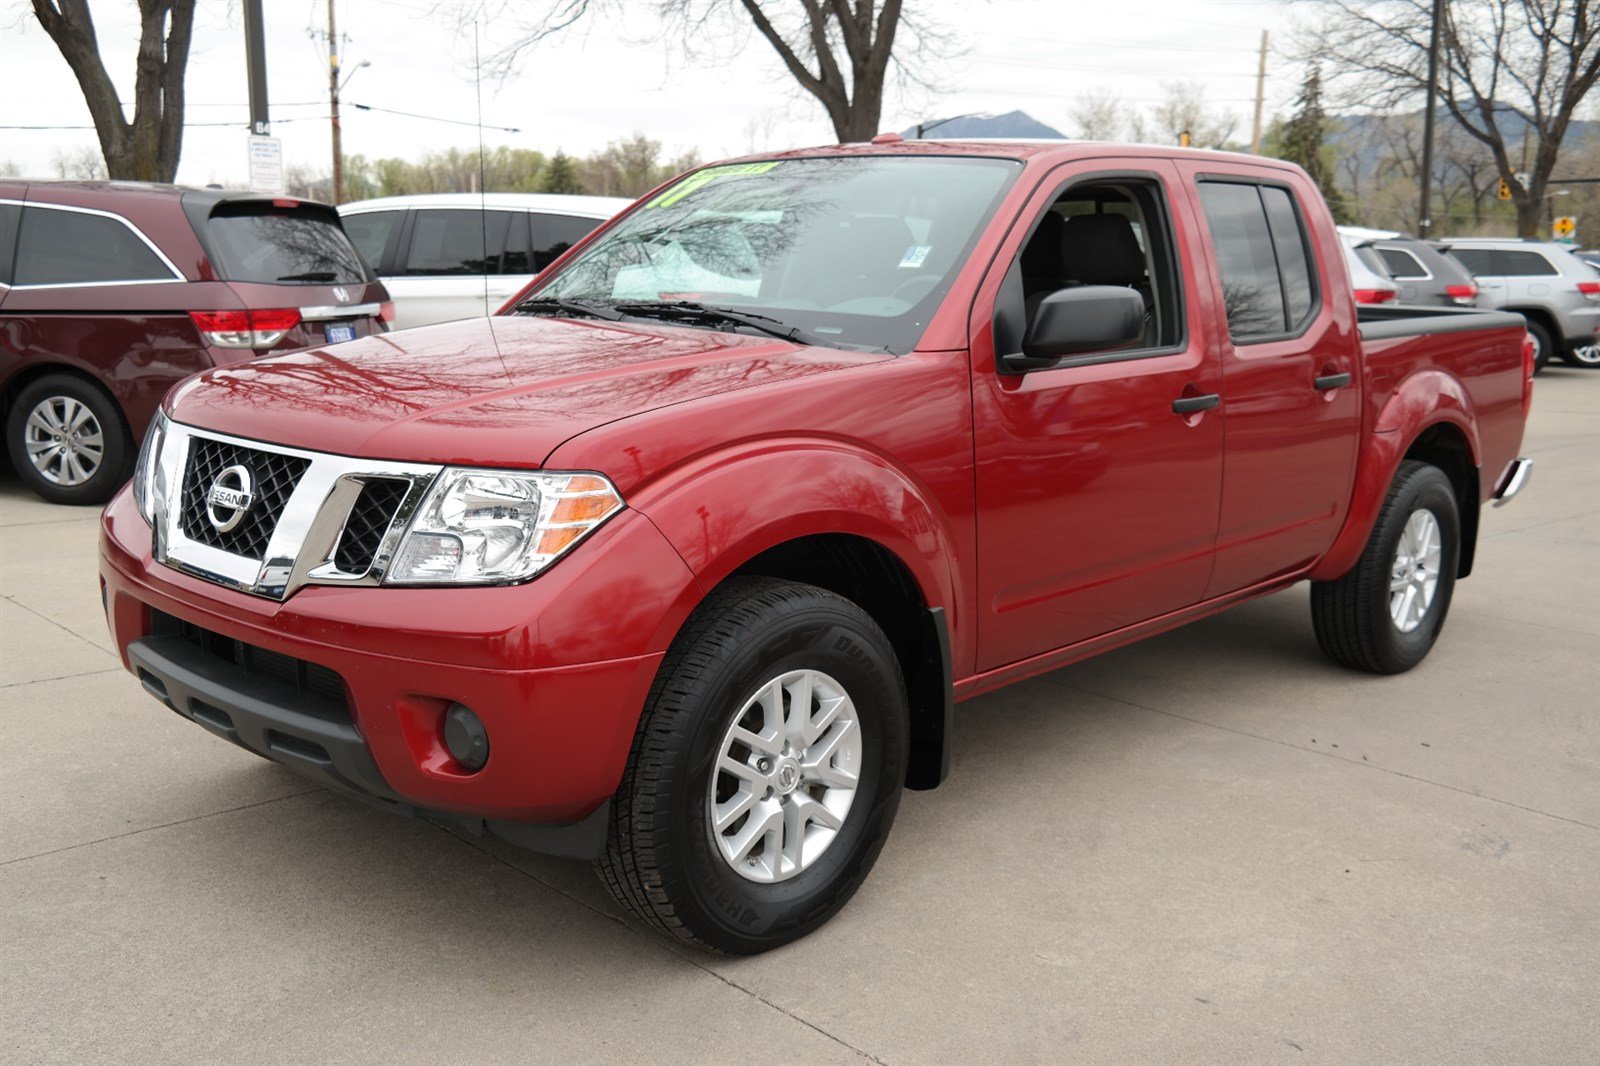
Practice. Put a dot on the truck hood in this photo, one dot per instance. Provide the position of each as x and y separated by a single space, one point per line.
485 392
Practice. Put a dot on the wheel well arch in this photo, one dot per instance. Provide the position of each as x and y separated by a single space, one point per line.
1545 318
1445 446
880 583
29 374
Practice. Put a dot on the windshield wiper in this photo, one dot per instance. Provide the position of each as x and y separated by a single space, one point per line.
547 304
688 309
312 275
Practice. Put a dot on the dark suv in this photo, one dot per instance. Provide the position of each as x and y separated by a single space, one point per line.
110 292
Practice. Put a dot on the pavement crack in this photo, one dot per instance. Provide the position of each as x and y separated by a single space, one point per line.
649 938
62 677
71 632
153 828
1325 754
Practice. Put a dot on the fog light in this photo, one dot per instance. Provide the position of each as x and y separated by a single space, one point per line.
465 737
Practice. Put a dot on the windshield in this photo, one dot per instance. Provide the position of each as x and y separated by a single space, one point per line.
853 252
302 244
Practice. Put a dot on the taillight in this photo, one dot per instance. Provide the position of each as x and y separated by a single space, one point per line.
1375 296
245 329
1591 289
1461 294
386 311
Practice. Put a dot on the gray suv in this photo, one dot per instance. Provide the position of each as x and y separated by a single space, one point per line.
1425 274
1557 293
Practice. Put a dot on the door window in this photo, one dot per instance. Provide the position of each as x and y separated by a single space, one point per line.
1519 263
59 247
449 241
554 234
370 232
1479 261
1263 259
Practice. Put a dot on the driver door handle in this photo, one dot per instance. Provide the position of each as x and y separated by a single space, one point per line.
1188 405
1332 381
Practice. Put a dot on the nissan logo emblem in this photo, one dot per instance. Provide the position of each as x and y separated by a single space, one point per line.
229 499
341 294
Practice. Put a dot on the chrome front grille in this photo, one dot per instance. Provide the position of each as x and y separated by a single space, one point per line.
369 520
311 519
273 476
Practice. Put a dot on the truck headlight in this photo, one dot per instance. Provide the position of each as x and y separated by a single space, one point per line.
485 527
149 485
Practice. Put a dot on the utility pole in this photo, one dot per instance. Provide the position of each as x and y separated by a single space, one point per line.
1425 212
1261 97
333 100
256 67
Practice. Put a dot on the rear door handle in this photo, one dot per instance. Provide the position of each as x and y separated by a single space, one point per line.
1188 405
1332 381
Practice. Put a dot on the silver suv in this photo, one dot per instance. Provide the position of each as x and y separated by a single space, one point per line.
1557 293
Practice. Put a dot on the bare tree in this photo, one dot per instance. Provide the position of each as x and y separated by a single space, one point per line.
838 51
78 164
1184 110
147 148
1099 115
1507 69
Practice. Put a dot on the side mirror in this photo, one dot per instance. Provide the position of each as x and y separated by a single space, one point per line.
1088 318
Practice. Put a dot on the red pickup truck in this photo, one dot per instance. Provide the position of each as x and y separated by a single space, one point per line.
681 561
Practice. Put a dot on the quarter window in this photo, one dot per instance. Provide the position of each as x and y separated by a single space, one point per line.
1263 259
370 232
72 248
1402 265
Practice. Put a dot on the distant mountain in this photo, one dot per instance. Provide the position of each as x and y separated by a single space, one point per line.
1010 124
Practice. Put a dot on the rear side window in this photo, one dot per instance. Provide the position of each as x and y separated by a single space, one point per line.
57 247
1403 266
1294 256
1251 291
259 241
1476 260
10 215
1517 263
554 234
449 241
370 232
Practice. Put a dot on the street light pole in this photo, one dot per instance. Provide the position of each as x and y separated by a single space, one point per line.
333 101
1425 213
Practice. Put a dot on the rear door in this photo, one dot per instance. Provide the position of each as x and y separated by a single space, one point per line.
1290 374
1097 499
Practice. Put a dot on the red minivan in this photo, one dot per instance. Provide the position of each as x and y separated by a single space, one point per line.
112 291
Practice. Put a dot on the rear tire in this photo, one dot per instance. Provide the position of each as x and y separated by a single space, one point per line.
1385 614
1543 346
1584 356
718 833
68 442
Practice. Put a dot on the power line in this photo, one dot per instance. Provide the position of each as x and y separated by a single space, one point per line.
433 118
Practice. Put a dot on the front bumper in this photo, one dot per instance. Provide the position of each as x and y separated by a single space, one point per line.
557 670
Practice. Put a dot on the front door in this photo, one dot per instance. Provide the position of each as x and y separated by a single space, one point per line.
1097 499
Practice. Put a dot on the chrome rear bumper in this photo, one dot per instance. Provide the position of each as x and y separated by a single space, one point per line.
1512 480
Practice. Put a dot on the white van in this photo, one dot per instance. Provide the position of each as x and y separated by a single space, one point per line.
445 256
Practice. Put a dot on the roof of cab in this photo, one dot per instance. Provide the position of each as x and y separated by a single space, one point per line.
601 207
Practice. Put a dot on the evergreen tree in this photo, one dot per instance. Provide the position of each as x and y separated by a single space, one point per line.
561 175
1301 142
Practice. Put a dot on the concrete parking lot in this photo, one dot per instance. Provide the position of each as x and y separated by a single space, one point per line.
1212 847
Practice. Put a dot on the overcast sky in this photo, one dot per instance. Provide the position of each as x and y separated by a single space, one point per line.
603 80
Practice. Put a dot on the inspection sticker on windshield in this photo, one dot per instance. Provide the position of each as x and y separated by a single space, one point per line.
706 177
915 255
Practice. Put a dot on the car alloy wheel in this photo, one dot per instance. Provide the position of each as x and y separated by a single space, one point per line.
1414 574
64 441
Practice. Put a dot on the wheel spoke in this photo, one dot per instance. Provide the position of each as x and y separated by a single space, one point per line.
798 723
77 415
42 419
1399 581
765 819
727 813
727 764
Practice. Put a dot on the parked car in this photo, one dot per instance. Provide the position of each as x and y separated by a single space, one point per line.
1590 256
1557 293
1423 273
1369 278
681 562
110 292
448 256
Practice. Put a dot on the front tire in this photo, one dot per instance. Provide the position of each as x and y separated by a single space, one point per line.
68 442
1385 614
766 770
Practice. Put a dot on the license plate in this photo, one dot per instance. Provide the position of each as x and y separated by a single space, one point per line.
339 332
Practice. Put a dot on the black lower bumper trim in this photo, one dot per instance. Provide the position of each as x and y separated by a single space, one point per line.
296 731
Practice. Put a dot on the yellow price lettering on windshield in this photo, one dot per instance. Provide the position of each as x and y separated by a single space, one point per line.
706 177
